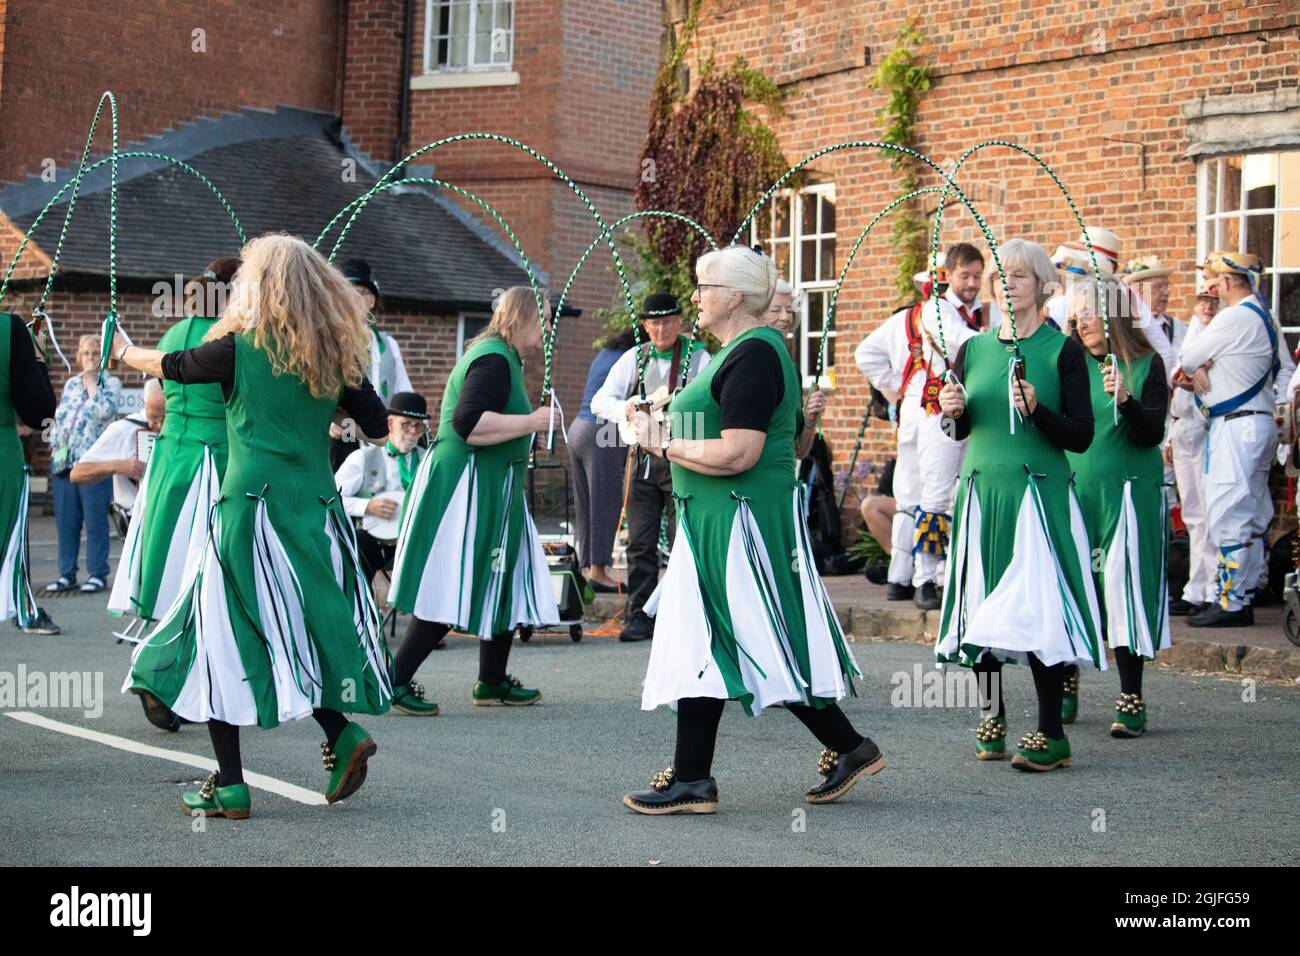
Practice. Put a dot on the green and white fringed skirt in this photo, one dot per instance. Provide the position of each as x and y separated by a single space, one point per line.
268 627
482 570
180 533
734 624
17 602
1044 602
1137 613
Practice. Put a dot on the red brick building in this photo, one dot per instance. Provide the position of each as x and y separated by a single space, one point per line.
571 78
1174 124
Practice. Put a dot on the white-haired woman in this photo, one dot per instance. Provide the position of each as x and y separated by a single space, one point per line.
1019 583
468 555
275 621
1121 490
742 614
783 317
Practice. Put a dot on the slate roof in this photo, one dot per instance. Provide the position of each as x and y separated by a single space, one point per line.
279 170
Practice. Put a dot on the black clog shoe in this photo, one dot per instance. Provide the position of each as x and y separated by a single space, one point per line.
670 795
843 771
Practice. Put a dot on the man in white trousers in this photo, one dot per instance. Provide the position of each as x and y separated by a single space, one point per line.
1235 363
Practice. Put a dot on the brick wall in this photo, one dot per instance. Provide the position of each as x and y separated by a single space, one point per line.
1064 81
372 75
57 56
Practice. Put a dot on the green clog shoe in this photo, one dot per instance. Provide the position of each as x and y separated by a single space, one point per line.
231 802
509 692
991 738
409 699
1037 751
1070 700
1130 716
346 762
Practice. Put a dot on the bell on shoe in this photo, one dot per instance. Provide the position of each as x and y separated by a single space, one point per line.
346 762
843 771
1070 698
991 738
1039 752
1130 716
409 699
668 795
231 802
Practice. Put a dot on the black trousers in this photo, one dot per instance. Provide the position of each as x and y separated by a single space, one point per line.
376 555
647 501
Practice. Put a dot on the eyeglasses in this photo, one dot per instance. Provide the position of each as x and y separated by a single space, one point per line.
701 286
414 427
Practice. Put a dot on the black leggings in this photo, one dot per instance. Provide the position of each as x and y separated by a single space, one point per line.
423 636
225 743
1049 683
1129 666
697 732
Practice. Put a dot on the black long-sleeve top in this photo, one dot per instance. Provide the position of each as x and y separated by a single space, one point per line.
748 386
215 362
1145 413
1071 428
30 390
486 388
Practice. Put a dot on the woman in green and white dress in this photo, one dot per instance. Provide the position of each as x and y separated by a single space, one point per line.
170 519
1019 584
468 555
1120 483
742 614
275 621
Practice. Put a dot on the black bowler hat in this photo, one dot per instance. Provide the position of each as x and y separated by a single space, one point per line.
357 271
408 405
659 304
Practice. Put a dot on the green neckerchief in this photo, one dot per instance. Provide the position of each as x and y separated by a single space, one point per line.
374 330
405 471
656 354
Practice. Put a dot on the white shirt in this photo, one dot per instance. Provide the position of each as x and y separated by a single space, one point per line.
610 400
117 442
386 367
1183 402
953 299
1237 344
358 480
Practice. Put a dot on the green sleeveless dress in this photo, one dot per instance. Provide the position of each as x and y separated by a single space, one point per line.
16 598
169 522
1019 577
741 613
1121 491
276 617
468 554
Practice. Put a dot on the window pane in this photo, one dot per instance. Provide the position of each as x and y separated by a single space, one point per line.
457 51
1288 306
828 266
808 260
1259 237
828 212
1230 201
809 204
1228 236
781 254
1209 180
1259 180
1290 195
781 211
1288 225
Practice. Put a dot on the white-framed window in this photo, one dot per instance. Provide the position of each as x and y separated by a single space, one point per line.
468 325
465 36
1251 202
797 228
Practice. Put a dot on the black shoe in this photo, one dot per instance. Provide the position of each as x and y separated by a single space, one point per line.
640 628
877 573
600 588
41 625
158 713
1216 616
843 771
899 592
927 597
670 795
1180 608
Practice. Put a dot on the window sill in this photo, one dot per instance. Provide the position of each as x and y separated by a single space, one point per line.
448 81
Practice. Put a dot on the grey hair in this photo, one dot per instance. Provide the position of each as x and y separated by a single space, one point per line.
750 273
1032 256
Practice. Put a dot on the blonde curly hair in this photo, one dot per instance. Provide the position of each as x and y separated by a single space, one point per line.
300 311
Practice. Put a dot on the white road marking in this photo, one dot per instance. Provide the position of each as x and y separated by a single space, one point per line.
260 781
